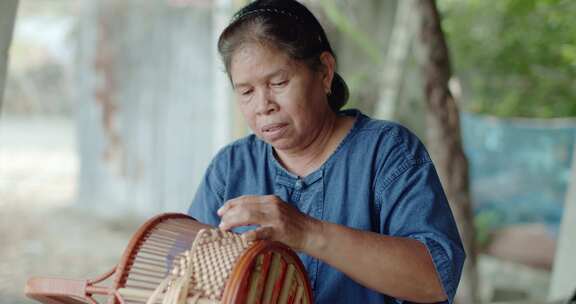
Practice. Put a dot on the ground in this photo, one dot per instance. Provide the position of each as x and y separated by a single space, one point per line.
42 232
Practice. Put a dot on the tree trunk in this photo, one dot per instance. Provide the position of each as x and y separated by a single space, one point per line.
395 61
148 124
8 10
563 284
444 140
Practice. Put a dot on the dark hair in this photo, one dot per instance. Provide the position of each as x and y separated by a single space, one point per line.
288 26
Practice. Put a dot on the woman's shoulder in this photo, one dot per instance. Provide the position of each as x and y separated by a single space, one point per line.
248 147
367 124
376 126
390 139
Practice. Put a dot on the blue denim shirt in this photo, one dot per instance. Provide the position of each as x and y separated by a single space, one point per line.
379 179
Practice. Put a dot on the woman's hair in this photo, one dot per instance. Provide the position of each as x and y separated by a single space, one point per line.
285 25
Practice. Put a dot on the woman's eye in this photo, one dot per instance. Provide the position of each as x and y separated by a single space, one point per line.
280 83
246 93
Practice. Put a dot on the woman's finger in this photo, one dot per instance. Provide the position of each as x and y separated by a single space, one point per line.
260 233
241 200
229 204
243 215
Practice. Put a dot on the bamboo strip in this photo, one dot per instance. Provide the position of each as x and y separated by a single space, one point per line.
143 283
254 293
140 259
264 271
170 231
141 294
162 234
146 267
159 246
164 247
153 276
179 227
287 285
136 286
145 279
272 277
280 280
160 239
185 223
152 257
152 266
300 295
153 251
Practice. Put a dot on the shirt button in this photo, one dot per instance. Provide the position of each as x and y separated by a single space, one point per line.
298 184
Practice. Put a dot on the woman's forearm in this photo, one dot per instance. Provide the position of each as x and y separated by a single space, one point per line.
398 267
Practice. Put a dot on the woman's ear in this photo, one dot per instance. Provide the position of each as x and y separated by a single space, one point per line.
328 70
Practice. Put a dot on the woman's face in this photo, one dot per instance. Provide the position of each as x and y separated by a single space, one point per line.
283 101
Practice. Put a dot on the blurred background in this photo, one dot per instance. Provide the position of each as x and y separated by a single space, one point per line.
111 111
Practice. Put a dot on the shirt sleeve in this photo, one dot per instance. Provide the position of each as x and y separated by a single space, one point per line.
209 196
413 205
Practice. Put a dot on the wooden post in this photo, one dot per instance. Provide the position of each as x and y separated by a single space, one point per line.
445 142
395 61
563 283
8 10
223 115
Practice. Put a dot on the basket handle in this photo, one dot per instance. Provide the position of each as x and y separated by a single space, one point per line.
67 291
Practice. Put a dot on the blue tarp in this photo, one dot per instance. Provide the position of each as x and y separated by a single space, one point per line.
519 168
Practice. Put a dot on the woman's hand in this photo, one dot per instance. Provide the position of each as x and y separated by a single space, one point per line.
278 221
383 261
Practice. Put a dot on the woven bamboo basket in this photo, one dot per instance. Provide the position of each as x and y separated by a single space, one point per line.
174 259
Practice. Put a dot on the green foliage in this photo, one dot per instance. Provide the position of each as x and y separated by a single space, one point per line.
344 25
515 57
485 223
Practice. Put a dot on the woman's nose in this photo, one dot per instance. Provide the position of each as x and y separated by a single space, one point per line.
265 103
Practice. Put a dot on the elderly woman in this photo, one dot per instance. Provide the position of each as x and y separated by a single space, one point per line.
358 198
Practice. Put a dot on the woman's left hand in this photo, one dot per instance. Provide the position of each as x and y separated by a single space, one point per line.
277 220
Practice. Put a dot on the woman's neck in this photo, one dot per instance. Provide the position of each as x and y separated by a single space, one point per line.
305 161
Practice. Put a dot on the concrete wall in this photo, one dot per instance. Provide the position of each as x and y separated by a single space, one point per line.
148 124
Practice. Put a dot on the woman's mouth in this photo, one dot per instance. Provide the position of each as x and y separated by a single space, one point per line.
274 131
